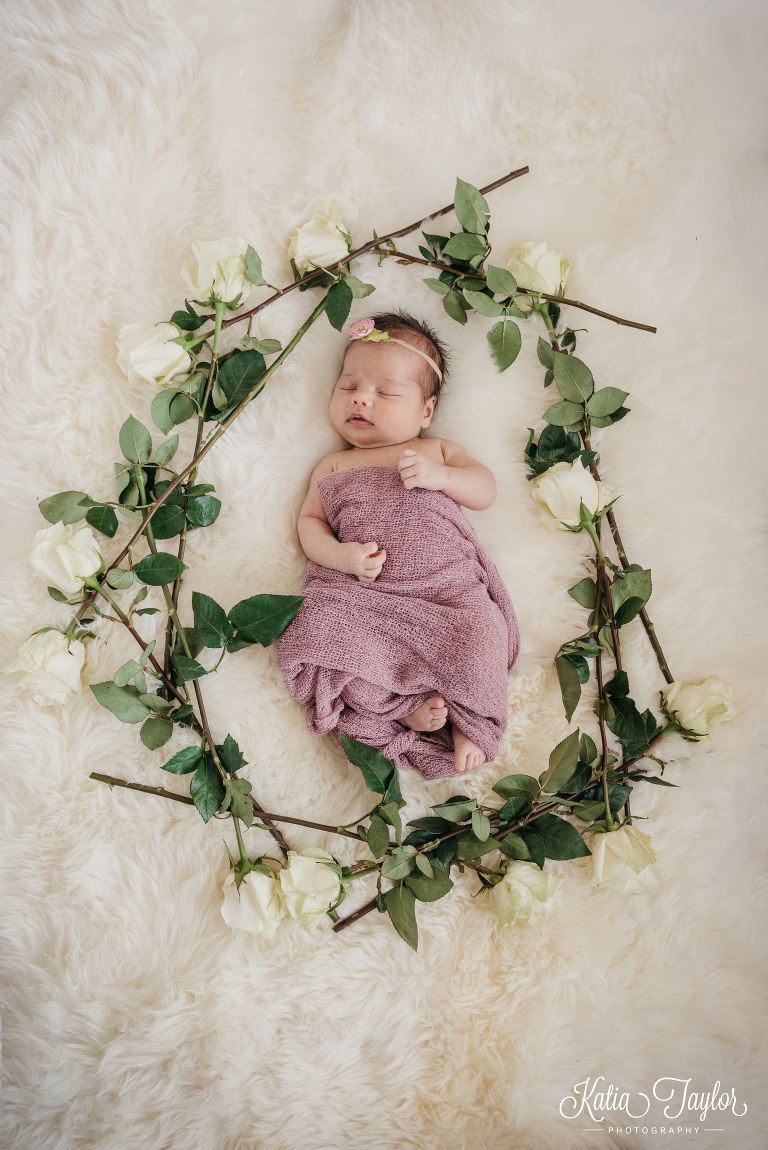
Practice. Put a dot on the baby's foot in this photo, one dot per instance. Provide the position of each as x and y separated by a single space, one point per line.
467 755
430 716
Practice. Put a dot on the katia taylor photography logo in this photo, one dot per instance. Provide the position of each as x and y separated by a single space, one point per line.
594 1099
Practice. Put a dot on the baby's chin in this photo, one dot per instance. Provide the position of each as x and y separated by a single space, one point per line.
374 436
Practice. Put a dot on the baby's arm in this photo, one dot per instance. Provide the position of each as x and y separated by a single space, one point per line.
468 482
319 544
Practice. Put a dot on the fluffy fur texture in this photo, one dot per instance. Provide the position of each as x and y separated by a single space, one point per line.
133 1018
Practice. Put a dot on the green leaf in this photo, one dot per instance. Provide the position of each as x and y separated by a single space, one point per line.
587 749
514 847
442 855
561 840
518 786
570 687
188 320
432 825
500 280
456 812
58 595
573 377
424 865
636 584
545 353
184 761
377 837
168 520
628 610
188 669
157 703
123 702
483 303
122 477
401 907
265 346
588 812
167 450
438 286
155 732
465 246
64 507
203 510
135 441
584 592
263 618
237 799
211 622
505 341
161 405
399 864
125 673
193 643
390 813
182 407
239 374
377 771
157 570
481 826
120 579
579 779
207 789
359 289
429 888
253 267
453 306
200 489
562 764
339 302
103 518
606 401
472 210
534 842
469 846
232 758
564 414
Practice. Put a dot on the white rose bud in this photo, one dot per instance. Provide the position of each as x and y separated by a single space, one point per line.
65 556
257 907
700 708
558 492
146 353
217 272
534 267
320 242
51 667
309 886
621 860
526 894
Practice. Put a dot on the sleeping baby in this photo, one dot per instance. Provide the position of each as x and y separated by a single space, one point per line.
406 634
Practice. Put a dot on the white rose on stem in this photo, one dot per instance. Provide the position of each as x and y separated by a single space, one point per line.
321 241
65 556
257 906
146 353
537 268
559 491
526 894
309 886
217 272
51 666
699 708
621 860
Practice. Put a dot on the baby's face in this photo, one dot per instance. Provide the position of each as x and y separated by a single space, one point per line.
377 400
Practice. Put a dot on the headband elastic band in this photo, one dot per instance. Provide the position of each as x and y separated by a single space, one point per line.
363 332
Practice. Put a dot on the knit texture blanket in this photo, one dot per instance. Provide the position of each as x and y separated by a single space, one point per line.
437 621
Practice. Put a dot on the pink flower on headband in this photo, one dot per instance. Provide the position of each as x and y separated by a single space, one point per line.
360 329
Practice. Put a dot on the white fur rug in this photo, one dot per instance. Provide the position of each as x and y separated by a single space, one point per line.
133 1018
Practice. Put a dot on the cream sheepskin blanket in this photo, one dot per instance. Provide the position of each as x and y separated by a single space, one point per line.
134 1020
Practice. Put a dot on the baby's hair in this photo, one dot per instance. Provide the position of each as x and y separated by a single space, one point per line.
403 325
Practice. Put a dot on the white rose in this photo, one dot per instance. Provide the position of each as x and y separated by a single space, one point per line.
65 556
558 492
51 667
621 860
217 271
309 886
526 894
145 352
257 907
321 241
700 708
534 267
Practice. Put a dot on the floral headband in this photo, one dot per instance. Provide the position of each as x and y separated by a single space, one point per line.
365 329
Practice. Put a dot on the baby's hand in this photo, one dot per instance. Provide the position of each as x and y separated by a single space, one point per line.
363 559
417 470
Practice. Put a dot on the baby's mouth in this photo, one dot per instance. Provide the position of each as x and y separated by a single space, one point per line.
360 420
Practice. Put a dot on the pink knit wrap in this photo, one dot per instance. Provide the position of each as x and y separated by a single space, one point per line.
437 621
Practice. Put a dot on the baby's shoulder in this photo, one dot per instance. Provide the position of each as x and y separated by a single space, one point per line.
451 452
327 464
